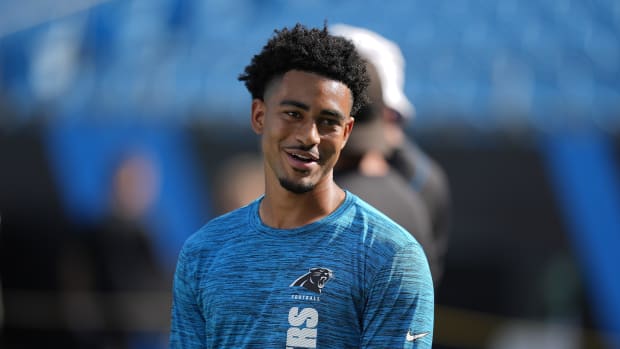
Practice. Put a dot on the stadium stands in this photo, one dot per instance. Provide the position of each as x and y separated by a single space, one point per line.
488 65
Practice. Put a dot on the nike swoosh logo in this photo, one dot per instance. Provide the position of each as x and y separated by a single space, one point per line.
414 337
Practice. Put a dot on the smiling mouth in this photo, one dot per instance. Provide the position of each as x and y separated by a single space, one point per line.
302 155
302 158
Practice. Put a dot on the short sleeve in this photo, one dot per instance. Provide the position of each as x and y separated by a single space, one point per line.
188 324
399 311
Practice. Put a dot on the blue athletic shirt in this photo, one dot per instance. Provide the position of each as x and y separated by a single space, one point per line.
354 279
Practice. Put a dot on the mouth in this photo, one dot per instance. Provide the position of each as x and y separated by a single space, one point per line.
302 160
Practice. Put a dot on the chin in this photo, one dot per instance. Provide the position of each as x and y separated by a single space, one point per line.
296 187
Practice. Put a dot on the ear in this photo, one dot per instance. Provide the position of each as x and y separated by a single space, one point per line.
348 127
258 115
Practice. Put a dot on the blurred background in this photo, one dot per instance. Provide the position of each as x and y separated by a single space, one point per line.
123 129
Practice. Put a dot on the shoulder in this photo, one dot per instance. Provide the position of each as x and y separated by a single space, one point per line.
216 230
376 227
386 245
428 172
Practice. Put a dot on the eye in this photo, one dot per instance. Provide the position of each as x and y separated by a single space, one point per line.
329 122
292 114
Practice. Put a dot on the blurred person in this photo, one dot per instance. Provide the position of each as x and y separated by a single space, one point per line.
116 263
238 182
1 297
135 186
33 230
307 264
423 173
364 170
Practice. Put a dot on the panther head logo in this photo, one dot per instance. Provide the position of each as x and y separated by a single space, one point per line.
314 280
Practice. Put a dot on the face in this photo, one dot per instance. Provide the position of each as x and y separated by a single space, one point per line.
304 122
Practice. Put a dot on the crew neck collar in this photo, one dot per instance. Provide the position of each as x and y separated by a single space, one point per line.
257 223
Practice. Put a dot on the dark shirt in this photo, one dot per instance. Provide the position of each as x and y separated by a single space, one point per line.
394 197
429 180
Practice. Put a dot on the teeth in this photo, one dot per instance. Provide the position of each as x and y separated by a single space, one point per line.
302 157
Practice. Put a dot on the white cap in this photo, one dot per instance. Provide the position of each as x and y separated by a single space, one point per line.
387 57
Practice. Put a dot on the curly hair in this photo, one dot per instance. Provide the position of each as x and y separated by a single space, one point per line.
310 50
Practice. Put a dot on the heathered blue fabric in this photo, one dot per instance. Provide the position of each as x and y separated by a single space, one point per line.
233 284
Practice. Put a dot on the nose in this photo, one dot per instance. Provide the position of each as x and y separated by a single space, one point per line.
308 133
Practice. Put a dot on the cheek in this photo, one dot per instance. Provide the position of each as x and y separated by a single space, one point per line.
347 131
343 143
269 133
332 147
269 144
341 140
275 129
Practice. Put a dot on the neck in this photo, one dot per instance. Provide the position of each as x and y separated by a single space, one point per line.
283 209
373 164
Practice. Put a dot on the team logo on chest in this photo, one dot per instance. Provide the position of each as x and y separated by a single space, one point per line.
303 330
314 280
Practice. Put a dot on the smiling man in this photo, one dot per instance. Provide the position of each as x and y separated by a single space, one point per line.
308 264
305 122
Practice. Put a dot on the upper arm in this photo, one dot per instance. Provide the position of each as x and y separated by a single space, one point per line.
400 304
188 324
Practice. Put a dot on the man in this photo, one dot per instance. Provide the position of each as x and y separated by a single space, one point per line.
403 155
364 170
307 265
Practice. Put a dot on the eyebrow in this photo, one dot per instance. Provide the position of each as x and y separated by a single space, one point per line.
305 107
